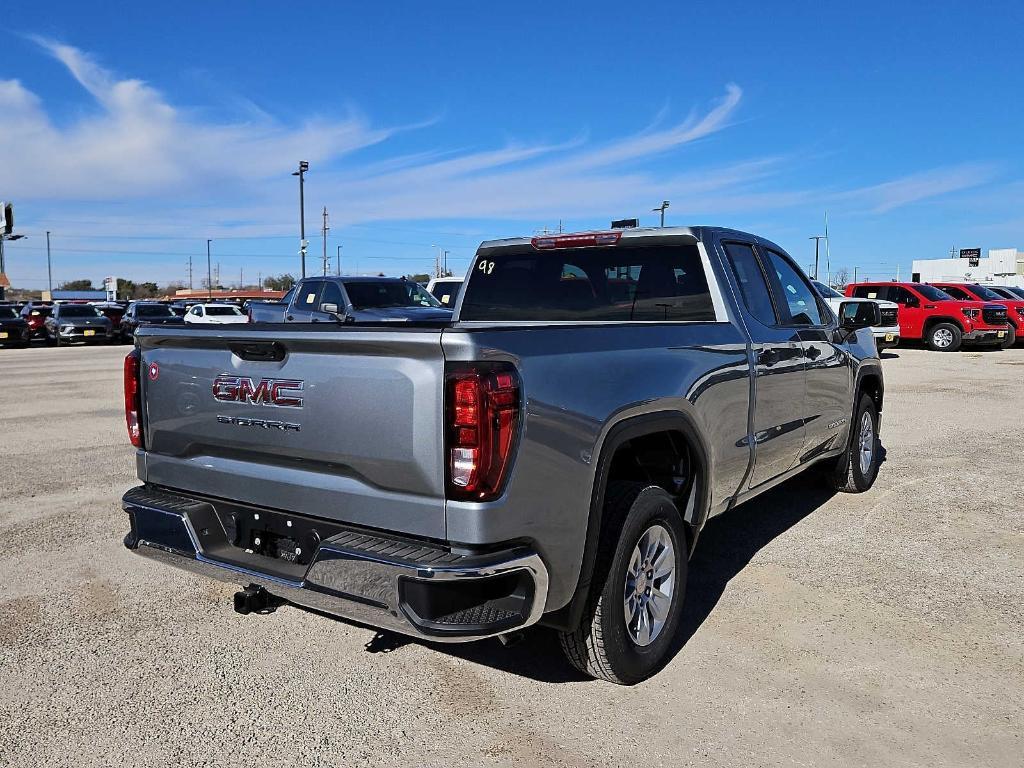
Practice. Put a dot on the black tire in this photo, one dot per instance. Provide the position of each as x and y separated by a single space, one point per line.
50 340
944 337
1011 336
848 476
602 646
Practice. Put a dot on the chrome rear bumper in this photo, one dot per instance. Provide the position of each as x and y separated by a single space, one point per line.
421 589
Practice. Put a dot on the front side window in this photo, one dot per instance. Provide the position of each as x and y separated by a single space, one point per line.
78 311
985 293
623 283
932 293
796 292
332 295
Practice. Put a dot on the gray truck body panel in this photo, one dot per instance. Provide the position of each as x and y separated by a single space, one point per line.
764 403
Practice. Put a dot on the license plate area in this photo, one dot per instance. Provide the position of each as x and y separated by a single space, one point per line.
289 539
90 332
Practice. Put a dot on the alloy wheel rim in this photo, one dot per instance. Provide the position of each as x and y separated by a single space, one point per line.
866 443
943 337
650 585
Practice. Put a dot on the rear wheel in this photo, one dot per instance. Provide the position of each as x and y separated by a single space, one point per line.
636 595
944 337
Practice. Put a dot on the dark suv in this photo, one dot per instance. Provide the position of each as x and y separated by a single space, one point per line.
14 331
77 322
146 313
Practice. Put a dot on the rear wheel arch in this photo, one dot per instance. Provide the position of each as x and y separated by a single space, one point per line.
630 436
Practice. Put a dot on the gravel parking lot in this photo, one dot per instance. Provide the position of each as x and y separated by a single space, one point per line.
885 629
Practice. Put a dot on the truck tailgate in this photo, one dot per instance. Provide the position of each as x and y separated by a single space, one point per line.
341 423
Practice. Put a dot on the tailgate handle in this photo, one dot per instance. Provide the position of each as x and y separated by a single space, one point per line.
259 351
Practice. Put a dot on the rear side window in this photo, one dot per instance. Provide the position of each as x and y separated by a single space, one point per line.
653 283
447 293
869 292
753 287
309 298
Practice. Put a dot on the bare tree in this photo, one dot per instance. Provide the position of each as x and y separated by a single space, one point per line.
840 278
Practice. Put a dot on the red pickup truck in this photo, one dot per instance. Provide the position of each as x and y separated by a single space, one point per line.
941 321
975 292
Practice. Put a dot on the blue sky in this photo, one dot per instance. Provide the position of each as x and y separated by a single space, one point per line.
134 133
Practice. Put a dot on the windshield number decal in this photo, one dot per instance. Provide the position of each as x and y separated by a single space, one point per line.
485 266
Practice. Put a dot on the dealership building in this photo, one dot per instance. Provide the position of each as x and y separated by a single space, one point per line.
1002 266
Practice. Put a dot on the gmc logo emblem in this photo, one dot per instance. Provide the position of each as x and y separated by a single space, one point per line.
238 389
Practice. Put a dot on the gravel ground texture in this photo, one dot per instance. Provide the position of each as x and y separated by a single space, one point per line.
885 629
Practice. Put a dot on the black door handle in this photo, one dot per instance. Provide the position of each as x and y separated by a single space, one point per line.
289 317
768 357
258 351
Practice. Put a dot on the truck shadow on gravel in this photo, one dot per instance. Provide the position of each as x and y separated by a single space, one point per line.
728 543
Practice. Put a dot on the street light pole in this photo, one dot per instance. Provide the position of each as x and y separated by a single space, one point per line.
209 272
301 173
49 267
816 239
661 208
337 263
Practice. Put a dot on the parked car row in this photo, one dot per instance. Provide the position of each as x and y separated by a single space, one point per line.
60 323
946 316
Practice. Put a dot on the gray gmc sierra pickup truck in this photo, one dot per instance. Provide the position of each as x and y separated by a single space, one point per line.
549 454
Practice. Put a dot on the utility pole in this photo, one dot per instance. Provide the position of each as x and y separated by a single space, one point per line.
209 272
661 208
855 273
324 232
218 274
337 263
49 267
817 239
446 262
259 281
190 271
301 173
240 278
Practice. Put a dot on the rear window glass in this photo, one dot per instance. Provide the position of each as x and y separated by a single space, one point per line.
382 295
657 283
223 311
153 310
7 313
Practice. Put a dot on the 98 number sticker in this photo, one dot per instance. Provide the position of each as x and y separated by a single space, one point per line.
485 266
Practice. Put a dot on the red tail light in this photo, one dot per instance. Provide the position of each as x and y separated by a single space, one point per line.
585 240
482 412
132 398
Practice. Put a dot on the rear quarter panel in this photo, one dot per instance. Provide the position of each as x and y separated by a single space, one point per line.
578 382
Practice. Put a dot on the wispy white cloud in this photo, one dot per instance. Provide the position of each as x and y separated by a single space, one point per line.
897 193
136 143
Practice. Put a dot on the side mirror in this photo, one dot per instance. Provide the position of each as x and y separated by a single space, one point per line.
332 309
854 315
